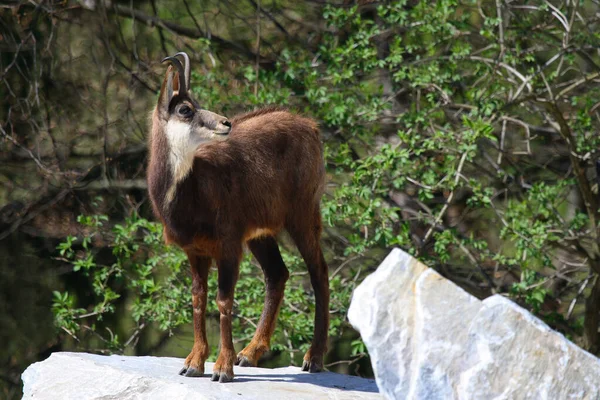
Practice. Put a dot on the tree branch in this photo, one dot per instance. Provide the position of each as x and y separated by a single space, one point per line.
193 33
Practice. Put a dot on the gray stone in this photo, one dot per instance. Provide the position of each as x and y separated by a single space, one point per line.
429 339
87 376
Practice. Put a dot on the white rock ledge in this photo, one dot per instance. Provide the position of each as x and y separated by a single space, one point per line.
429 339
87 376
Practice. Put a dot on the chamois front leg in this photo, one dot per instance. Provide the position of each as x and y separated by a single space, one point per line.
228 273
194 363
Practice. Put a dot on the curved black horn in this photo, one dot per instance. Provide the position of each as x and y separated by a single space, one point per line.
177 64
186 64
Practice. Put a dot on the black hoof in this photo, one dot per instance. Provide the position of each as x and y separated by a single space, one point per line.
182 371
311 367
221 377
193 372
244 362
305 366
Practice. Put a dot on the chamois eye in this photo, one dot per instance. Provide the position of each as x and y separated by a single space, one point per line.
185 111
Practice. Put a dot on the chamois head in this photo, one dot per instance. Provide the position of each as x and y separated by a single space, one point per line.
177 108
179 119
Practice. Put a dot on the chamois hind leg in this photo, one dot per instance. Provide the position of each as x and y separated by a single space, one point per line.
194 363
306 233
266 252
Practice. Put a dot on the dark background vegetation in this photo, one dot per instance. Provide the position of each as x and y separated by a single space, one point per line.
463 131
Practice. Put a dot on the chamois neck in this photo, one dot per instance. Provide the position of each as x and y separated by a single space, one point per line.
160 171
181 150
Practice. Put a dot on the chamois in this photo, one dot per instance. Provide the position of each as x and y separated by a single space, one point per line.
217 185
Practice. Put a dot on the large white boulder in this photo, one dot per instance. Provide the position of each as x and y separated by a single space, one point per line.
429 339
80 376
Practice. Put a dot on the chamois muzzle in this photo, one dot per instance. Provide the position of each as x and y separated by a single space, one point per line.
217 123
226 127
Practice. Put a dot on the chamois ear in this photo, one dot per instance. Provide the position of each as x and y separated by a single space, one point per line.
166 94
181 75
176 83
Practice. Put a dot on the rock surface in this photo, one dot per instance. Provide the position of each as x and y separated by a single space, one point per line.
87 376
429 339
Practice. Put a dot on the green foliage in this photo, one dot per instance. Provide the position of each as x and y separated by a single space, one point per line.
142 262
